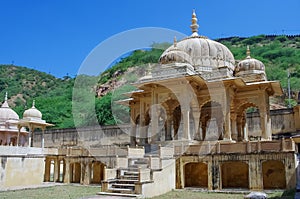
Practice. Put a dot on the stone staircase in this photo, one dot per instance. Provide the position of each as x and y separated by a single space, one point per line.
127 178
125 184
135 174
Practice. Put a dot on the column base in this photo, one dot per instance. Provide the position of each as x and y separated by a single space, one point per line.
225 140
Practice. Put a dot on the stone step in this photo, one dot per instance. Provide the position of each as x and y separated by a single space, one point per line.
131 169
128 181
132 173
121 190
119 194
129 177
119 185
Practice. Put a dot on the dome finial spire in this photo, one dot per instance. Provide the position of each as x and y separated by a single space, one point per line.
175 42
194 25
248 52
5 103
33 104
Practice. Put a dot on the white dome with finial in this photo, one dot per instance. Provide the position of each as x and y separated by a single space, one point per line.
251 67
175 55
32 113
199 51
6 113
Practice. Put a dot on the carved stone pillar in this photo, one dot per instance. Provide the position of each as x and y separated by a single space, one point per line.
265 119
227 119
133 127
154 123
196 116
56 170
67 172
234 132
168 135
154 116
87 173
227 134
47 170
186 123
265 123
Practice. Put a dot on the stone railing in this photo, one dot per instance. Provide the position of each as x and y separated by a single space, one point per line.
165 152
217 147
154 162
103 151
144 175
17 150
108 150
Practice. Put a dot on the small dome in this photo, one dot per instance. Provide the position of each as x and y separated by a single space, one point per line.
6 113
251 66
175 55
32 113
199 51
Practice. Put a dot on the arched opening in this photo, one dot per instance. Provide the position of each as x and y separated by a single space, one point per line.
75 169
97 172
52 170
171 117
176 121
244 123
61 170
273 174
211 122
235 174
196 175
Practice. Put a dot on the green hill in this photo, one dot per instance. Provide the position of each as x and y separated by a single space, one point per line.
54 95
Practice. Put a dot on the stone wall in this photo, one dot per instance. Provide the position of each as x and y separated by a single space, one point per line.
283 121
163 180
20 171
251 171
89 136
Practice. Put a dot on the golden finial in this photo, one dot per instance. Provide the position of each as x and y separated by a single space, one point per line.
194 25
248 51
175 42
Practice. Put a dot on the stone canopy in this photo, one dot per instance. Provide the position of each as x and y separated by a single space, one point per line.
197 88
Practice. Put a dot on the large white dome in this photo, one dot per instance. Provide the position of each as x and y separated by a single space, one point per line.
202 52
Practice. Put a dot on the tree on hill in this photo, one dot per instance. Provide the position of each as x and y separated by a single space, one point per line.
54 96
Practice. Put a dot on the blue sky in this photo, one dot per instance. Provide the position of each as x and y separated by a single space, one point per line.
55 36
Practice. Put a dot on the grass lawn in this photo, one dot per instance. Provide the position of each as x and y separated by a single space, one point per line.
179 194
53 192
77 191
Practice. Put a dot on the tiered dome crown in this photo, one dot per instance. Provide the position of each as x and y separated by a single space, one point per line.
6 113
199 51
33 113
